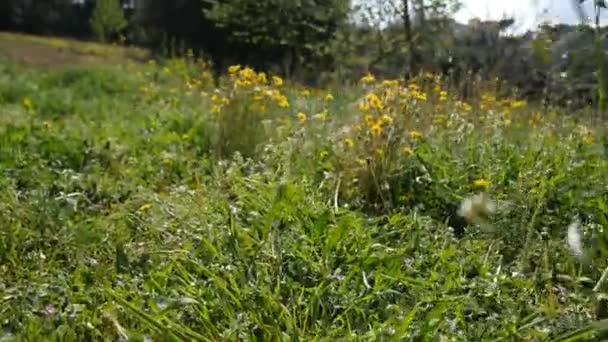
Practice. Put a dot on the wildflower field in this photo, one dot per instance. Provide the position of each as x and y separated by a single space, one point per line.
141 202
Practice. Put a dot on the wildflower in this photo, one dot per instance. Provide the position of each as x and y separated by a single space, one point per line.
481 183
408 151
262 78
588 139
28 104
145 207
215 109
380 152
362 162
376 130
369 120
574 239
248 75
419 95
301 117
305 93
415 134
233 69
364 106
282 101
277 81
349 143
387 119
46 124
322 116
243 83
374 101
390 83
215 98
329 97
518 104
477 208
368 79
413 87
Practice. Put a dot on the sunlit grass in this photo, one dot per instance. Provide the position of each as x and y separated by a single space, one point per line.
139 201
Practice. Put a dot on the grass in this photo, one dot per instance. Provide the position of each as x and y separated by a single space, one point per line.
51 52
138 202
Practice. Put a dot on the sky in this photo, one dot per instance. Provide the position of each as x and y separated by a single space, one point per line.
527 13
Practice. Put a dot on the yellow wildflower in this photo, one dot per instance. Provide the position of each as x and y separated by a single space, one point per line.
369 120
233 69
305 93
301 117
282 101
387 119
329 97
415 134
277 81
368 79
376 130
420 96
364 106
481 183
518 104
46 124
28 104
215 98
145 207
262 78
349 143
215 109
390 83
322 116
380 152
374 101
408 151
248 74
413 87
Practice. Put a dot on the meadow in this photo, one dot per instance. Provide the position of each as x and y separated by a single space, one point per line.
138 201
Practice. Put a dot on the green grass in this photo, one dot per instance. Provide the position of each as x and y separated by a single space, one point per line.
124 213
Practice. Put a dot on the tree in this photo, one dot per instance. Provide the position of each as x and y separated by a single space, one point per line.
295 32
599 57
108 18
405 28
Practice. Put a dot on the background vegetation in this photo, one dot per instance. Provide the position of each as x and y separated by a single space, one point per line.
194 197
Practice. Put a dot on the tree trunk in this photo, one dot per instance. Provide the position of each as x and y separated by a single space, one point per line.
407 28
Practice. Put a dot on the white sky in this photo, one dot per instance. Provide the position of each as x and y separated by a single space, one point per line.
527 13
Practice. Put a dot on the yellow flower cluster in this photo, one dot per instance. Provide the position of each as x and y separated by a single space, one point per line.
246 79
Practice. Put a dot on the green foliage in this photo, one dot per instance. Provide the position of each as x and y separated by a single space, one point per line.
119 222
299 28
107 19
